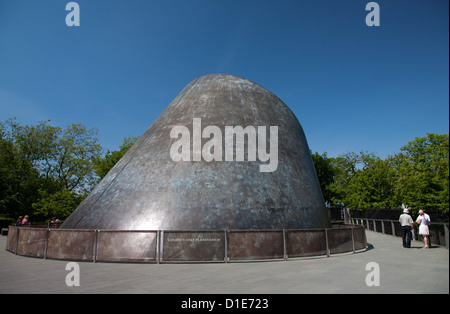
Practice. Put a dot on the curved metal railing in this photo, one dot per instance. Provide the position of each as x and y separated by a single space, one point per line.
184 245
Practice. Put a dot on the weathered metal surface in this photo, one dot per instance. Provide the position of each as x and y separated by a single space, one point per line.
11 243
359 237
340 240
303 243
198 246
71 244
256 244
127 246
32 242
147 190
194 246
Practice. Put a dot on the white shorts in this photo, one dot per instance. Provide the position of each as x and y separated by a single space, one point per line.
424 230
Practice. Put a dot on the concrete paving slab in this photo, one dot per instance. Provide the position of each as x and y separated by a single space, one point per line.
409 271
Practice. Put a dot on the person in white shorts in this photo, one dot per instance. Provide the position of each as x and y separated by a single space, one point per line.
424 220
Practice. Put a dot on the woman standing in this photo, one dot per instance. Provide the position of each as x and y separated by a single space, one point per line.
424 220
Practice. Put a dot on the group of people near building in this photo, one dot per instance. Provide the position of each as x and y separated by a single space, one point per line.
408 228
23 220
26 221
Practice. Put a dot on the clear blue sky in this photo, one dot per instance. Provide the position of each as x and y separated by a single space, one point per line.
351 86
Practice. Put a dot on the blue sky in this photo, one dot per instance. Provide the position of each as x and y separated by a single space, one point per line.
351 86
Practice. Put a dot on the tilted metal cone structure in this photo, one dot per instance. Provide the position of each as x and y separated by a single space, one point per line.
182 174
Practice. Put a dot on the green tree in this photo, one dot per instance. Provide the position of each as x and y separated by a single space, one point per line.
372 186
325 173
19 181
423 172
344 166
104 164
363 181
59 204
38 161
417 176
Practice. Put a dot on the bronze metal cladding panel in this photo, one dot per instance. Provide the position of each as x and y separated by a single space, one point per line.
147 190
32 242
340 240
387 227
307 242
11 242
256 244
398 228
378 225
194 246
127 246
360 237
71 244
436 234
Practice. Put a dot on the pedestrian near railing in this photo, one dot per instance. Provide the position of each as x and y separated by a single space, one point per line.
439 232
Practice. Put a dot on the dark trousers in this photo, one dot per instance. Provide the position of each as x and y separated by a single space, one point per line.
406 236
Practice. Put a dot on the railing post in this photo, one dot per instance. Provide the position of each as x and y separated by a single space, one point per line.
17 240
157 246
95 247
284 245
47 234
446 235
161 245
326 242
365 239
353 240
226 245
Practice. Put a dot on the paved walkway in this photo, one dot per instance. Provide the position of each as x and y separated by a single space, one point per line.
412 271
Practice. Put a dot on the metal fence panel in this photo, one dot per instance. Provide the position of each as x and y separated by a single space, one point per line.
387 227
359 236
302 243
193 246
398 229
127 246
256 244
11 242
185 246
32 242
437 234
340 240
71 244
378 226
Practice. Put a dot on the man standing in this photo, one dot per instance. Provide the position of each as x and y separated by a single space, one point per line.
407 224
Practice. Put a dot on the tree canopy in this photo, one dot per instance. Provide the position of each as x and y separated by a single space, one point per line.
417 176
41 164
104 164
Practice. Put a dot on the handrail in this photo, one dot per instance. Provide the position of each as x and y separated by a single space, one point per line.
192 246
439 231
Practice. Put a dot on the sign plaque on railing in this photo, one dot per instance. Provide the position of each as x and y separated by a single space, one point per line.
193 246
